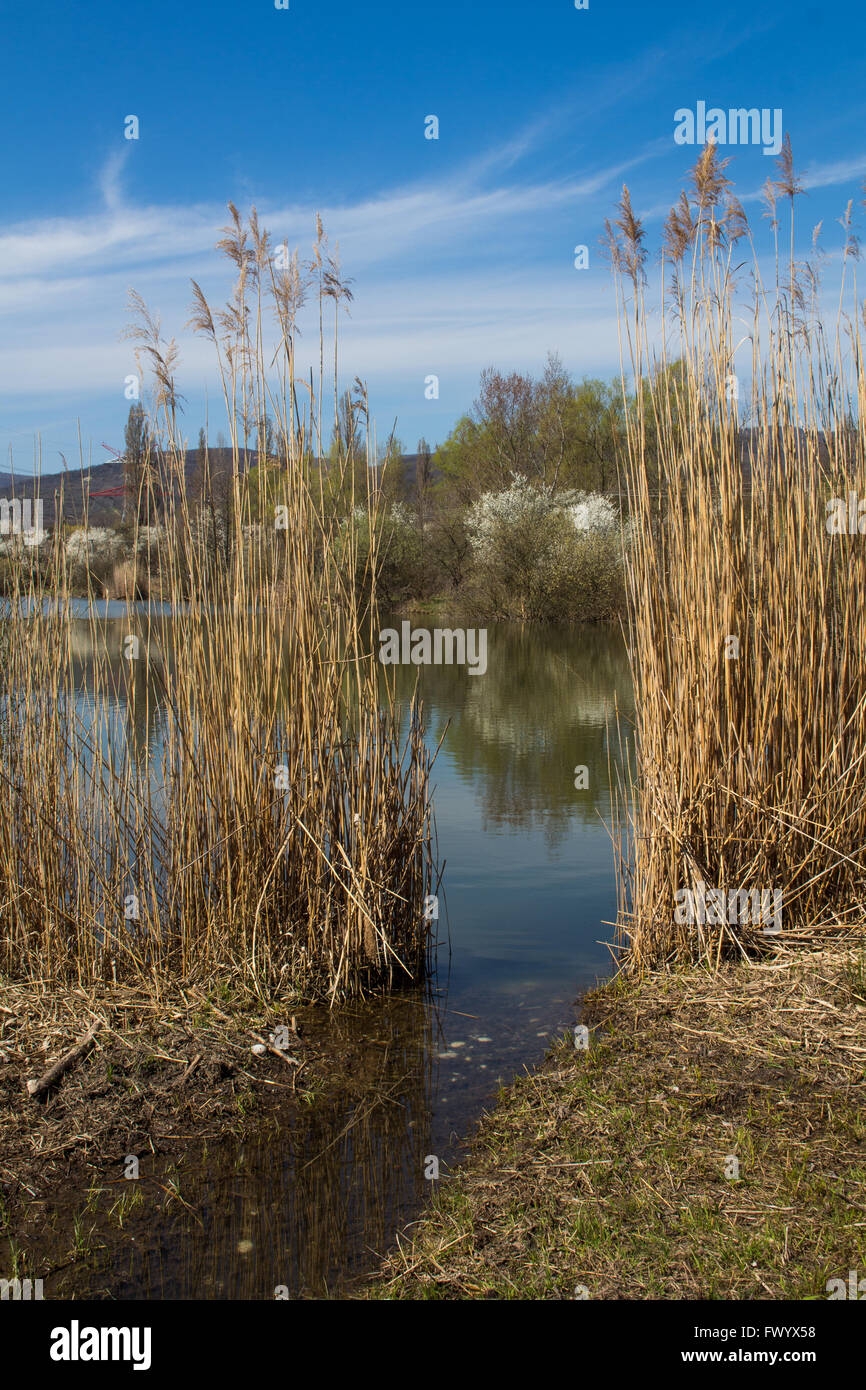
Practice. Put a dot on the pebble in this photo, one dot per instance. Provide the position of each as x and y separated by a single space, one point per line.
259 1049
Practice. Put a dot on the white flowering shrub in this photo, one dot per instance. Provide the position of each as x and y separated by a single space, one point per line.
399 520
591 511
520 508
149 536
91 555
93 543
538 554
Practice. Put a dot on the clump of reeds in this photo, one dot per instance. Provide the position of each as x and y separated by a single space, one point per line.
264 813
747 617
127 581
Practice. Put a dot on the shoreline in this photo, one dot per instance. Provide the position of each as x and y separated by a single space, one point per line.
608 1173
602 1173
164 1077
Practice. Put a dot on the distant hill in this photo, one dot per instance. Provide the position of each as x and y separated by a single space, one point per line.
80 487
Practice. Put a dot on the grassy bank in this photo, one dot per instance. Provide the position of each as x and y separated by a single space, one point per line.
603 1174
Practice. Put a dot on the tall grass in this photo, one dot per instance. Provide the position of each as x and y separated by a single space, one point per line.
277 829
751 768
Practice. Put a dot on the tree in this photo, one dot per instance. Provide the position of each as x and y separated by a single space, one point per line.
595 425
549 431
347 437
137 452
423 478
390 480
345 482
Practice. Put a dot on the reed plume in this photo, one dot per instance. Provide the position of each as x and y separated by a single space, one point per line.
264 817
747 612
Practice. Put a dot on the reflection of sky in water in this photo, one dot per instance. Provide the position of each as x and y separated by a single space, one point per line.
529 881
527 893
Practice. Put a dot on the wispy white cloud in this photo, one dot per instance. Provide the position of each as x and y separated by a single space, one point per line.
375 229
449 274
427 261
109 177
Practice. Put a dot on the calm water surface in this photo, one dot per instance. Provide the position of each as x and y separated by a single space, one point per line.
526 899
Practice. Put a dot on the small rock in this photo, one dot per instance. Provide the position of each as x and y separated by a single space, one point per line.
259 1049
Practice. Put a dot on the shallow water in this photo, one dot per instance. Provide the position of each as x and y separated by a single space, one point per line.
525 904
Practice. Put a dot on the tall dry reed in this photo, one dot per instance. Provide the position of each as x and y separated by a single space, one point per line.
747 617
274 829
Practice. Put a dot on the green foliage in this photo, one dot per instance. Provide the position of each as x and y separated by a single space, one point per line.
137 450
530 560
553 431
265 487
399 553
447 547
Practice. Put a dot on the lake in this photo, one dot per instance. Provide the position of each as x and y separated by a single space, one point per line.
526 902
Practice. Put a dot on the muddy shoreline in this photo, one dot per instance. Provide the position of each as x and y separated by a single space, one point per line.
165 1081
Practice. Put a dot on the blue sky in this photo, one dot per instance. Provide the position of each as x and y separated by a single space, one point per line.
460 249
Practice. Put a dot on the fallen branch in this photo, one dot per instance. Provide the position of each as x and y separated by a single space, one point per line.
53 1074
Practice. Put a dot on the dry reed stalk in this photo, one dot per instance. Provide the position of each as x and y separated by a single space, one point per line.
265 810
750 770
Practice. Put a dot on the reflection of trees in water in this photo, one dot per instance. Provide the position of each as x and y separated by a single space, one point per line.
136 687
516 733
304 1205
540 710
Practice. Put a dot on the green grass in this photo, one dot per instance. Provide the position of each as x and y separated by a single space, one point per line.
607 1169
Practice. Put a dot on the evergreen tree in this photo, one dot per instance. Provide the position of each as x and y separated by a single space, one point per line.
136 463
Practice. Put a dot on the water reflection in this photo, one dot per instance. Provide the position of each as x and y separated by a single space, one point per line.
542 708
301 1205
527 891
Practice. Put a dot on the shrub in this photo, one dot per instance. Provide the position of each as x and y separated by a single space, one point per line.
91 555
400 556
592 512
538 555
127 581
